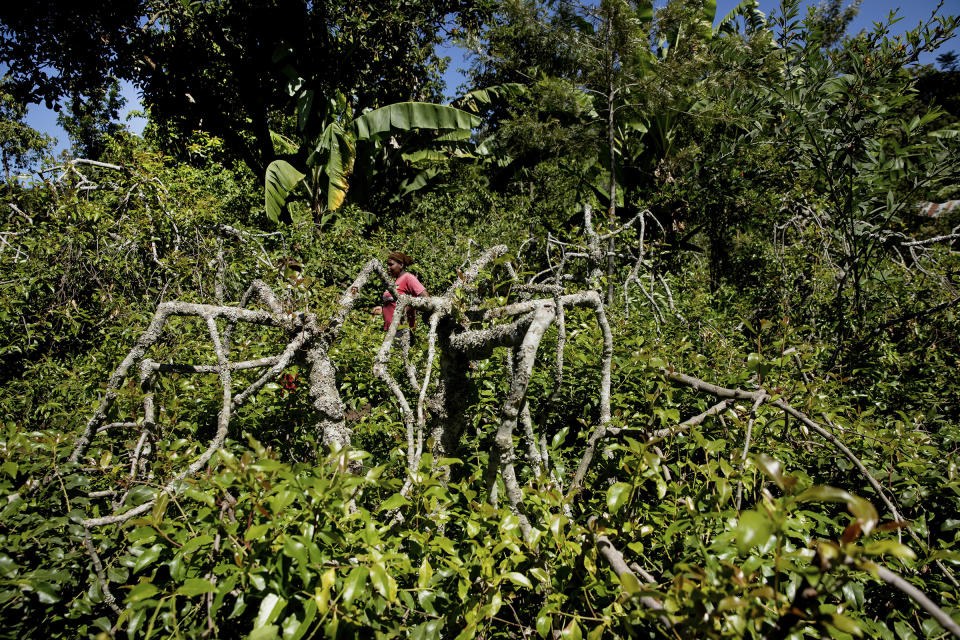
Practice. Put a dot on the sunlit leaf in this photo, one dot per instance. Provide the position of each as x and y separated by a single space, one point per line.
753 528
617 496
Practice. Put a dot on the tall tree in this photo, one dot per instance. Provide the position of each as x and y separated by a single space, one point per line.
211 66
89 120
57 51
20 144
830 19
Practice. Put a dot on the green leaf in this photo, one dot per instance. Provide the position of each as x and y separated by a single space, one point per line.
559 438
46 592
750 11
753 528
644 12
496 601
903 630
296 550
381 581
206 498
540 575
823 493
864 512
630 583
304 109
520 579
731 602
309 613
709 11
267 632
270 608
340 155
404 116
393 502
417 182
426 572
892 547
256 531
142 591
195 543
557 523
571 631
117 574
140 494
488 96
617 496
134 621
354 584
194 587
321 596
544 623
846 624
282 144
147 558
773 470
281 179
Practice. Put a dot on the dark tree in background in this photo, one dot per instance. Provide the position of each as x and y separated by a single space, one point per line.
213 66
56 52
20 144
941 87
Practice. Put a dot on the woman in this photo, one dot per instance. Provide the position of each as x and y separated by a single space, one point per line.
407 284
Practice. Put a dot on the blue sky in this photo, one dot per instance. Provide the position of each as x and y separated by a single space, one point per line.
912 12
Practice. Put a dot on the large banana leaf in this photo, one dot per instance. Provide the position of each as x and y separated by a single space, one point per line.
281 179
304 109
283 144
457 135
417 182
424 155
334 153
404 116
339 153
709 11
488 96
750 11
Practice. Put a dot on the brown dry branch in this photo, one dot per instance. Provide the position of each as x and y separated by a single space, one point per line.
306 340
108 596
598 251
620 567
455 344
895 580
746 442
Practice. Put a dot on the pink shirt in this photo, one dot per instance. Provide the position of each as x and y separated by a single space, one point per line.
407 284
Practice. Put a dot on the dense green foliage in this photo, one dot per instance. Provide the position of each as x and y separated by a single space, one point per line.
783 252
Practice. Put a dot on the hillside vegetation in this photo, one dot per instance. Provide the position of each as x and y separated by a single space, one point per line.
688 366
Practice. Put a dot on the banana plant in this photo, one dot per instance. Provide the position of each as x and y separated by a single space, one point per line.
325 175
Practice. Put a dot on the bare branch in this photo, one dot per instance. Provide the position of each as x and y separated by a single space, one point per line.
894 580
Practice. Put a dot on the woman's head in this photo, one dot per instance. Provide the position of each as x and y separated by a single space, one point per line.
397 262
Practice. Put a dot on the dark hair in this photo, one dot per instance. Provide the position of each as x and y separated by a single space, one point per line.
401 257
